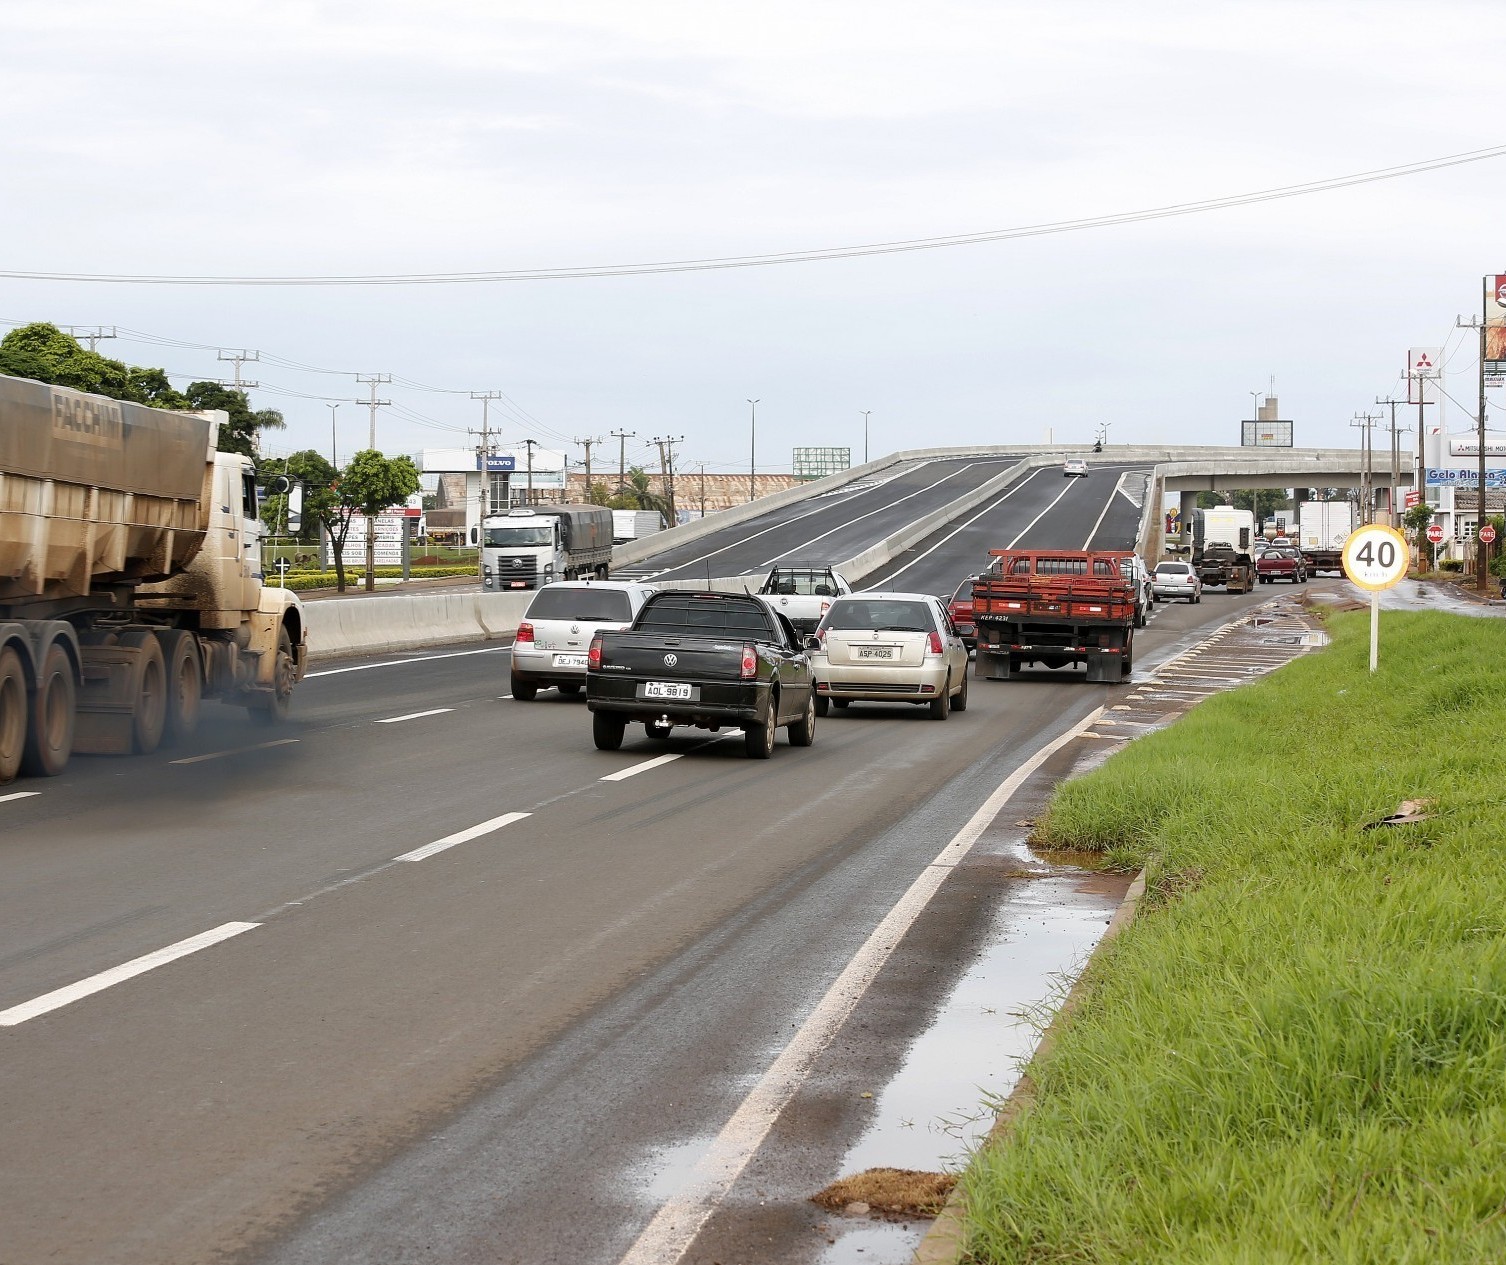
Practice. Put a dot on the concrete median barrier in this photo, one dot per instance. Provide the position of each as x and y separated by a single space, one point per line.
343 626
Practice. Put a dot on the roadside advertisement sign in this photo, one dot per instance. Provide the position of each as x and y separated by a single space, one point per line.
1424 369
1495 322
1410 498
1459 477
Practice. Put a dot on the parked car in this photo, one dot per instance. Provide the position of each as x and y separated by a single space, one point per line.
1281 564
1177 579
892 648
1075 466
1135 570
555 635
960 608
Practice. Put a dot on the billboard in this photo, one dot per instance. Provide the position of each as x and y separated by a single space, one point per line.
1265 435
1454 477
817 463
1495 322
1424 369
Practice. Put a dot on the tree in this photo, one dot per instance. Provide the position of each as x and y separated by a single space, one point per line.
599 494
638 495
370 484
44 353
240 432
1417 518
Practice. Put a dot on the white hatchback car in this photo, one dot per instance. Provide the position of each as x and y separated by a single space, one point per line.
892 648
1075 466
1177 579
552 641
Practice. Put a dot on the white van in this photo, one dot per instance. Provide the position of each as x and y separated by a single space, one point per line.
551 643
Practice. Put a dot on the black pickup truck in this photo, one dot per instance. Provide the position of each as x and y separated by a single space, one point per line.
702 659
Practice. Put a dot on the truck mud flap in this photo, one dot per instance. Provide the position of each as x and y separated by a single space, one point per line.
107 700
990 665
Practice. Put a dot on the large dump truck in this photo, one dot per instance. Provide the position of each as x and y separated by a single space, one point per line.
130 580
1223 548
538 544
1055 607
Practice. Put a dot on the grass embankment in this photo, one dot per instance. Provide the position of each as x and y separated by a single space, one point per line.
1297 1052
301 581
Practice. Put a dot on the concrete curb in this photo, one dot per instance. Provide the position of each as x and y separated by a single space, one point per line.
944 1243
342 626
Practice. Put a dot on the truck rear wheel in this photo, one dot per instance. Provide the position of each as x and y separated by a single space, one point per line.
607 730
148 691
12 714
185 685
49 737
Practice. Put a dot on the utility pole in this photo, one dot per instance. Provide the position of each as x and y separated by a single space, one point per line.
1482 551
486 398
667 472
532 443
1367 507
374 380
93 333
1395 461
865 413
752 447
622 436
586 444
703 489
238 358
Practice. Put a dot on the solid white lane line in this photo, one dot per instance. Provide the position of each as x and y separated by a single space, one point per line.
398 663
462 836
220 755
675 1226
1088 543
138 966
434 711
5 799
1041 515
634 769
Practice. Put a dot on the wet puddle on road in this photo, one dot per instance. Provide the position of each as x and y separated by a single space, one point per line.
937 1108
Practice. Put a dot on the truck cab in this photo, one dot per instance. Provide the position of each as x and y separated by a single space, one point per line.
520 550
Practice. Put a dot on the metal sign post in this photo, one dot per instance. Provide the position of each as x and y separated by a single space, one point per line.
1375 558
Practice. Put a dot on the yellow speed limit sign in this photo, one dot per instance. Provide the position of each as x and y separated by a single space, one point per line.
1375 557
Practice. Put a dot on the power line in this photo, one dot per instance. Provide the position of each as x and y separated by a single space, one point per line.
795 256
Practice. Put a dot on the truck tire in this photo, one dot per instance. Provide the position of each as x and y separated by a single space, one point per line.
607 730
148 691
803 731
12 714
185 685
273 707
941 705
49 729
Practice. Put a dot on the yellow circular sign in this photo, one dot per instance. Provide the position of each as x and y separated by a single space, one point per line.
1375 557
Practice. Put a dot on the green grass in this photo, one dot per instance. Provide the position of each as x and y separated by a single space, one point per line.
356 577
1298 1051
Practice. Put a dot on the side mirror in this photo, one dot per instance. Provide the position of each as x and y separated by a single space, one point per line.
813 642
473 535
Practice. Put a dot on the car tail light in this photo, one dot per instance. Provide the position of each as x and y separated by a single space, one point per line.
750 663
593 655
525 632
935 642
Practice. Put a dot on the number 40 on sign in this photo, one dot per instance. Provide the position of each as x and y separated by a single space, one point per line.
1375 558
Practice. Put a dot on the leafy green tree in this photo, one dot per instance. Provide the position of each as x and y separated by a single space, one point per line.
1417 519
240 432
368 485
45 353
639 495
599 494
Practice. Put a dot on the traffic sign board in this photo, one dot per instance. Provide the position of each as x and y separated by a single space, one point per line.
1435 534
1375 557
1487 533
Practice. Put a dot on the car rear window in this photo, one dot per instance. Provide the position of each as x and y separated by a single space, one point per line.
868 616
687 613
1172 568
565 603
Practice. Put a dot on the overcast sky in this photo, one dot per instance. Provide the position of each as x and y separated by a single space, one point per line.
184 138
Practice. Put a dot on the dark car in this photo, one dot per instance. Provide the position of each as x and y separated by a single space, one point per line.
1277 563
703 659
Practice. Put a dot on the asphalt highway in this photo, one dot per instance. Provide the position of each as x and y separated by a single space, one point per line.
450 984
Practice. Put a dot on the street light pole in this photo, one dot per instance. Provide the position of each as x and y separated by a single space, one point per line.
752 447
865 413
334 452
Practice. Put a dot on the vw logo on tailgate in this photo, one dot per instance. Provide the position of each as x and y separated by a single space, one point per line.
670 660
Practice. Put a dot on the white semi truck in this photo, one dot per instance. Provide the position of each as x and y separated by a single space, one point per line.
538 544
130 580
1322 529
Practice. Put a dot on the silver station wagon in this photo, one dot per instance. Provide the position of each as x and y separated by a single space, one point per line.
892 648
